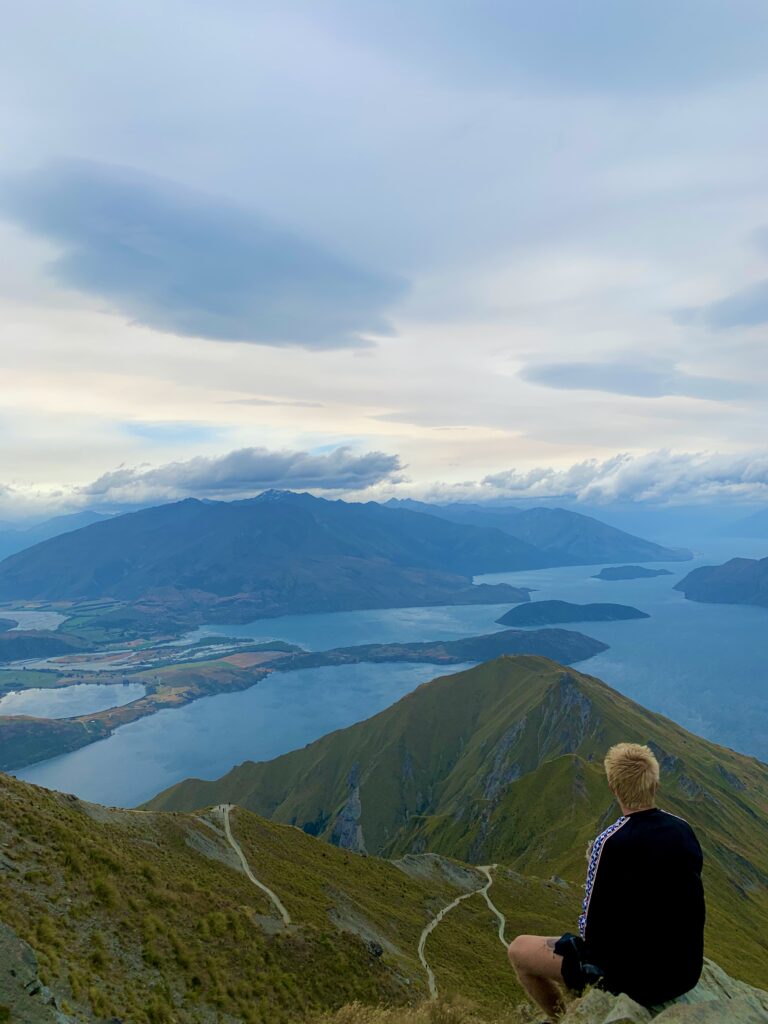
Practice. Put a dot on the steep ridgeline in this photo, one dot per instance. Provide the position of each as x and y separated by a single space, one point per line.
569 537
740 581
276 554
503 763
222 916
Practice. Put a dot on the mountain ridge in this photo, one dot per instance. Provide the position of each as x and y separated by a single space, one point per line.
291 553
571 537
276 554
510 770
14 537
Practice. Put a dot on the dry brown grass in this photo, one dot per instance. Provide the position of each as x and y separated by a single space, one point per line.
440 1012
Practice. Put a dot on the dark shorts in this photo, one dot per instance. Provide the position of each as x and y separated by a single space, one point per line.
577 969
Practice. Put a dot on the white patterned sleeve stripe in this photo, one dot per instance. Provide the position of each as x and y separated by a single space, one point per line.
594 862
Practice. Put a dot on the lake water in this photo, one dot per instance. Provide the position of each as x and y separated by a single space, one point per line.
345 629
205 739
66 702
706 666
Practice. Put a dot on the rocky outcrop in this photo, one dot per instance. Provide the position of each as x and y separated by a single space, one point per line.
717 999
567 719
347 832
24 999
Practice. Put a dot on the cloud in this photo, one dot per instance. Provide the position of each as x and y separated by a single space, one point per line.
591 45
645 379
173 432
195 265
272 401
660 477
239 474
744 308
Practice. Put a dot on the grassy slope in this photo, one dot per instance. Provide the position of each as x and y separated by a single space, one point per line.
147 917
503 762
24 739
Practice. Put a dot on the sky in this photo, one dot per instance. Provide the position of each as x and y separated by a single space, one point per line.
471 249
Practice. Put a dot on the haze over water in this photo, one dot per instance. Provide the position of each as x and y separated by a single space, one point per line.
702 665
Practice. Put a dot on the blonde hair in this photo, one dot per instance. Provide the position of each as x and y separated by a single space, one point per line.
633 774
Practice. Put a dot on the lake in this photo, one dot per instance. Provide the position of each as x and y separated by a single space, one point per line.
706 666
208 737
66 702
345 629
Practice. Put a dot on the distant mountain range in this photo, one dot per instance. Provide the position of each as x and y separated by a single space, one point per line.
504 763
284 552
739 581
13 538
755 525
569 537
279 553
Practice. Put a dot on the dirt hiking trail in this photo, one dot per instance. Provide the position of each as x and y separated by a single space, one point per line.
486 870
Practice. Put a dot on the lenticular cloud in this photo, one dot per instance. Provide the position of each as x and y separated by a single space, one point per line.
659 477
241 473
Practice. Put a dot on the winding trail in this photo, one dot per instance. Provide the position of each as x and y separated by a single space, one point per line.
486 870
224 810
482 891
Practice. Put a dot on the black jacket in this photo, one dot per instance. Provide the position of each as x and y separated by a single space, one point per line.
643 912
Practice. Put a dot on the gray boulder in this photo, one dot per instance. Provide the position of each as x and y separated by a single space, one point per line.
23 997
717 999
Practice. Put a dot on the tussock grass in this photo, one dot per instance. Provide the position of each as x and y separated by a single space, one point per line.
147 918
455 1011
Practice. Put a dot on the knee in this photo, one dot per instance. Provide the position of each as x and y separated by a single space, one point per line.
517 949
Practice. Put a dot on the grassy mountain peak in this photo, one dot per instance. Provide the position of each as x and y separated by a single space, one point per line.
503 763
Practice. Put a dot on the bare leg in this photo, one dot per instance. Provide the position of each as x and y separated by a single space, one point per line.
539 969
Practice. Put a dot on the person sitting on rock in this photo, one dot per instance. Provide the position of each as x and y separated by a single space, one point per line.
641 929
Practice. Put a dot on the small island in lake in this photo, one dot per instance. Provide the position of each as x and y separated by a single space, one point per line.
629 572
548 613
